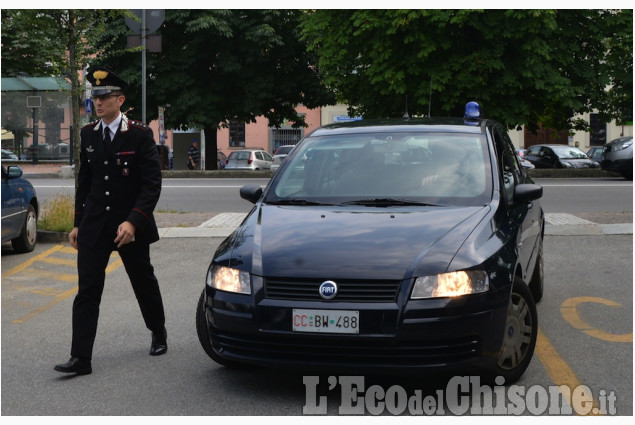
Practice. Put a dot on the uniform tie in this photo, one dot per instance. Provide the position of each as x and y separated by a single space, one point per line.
107 138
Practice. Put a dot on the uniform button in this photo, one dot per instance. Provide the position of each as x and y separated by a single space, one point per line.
107 193
105 162
107 208
105 177
89 160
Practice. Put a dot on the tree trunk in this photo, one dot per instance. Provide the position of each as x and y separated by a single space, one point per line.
211 147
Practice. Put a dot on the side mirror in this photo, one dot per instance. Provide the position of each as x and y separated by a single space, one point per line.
524 193
13 171
252 193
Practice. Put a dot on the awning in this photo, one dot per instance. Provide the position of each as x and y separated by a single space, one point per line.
35 84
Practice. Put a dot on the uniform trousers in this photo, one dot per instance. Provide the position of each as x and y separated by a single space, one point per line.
91 266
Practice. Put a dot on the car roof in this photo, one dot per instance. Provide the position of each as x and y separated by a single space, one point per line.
620 139
442 125
555 145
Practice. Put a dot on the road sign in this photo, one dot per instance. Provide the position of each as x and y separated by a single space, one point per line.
154 19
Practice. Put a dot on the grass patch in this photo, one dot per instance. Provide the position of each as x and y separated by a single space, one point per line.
58 214
160 210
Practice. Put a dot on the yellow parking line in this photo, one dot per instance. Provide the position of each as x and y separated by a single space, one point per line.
60 261
64 295
559 371
58 299
62 277
27 263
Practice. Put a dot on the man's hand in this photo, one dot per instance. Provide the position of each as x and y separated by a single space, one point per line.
72 237
125 234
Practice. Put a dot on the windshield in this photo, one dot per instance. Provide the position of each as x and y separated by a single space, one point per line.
568 152
384 169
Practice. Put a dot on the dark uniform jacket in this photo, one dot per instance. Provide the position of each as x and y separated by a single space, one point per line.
122 183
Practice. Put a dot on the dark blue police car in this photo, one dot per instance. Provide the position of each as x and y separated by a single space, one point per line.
384 246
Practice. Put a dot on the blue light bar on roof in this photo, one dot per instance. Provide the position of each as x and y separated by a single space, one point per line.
473 113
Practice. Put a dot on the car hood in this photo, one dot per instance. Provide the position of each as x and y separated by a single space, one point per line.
351 242
580 163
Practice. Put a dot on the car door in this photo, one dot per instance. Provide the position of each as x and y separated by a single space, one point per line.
527 214
12 206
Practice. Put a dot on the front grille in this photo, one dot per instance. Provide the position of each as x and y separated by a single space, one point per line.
347 290
357 351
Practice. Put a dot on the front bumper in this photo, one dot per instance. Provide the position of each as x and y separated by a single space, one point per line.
618 165
426 335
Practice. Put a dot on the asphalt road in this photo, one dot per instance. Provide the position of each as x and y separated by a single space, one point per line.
588 195
38 290
585 320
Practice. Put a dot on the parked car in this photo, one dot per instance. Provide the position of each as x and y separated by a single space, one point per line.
559 156
249 159
387 246
20 210
7 154
221 159
280 154
595 153
618 156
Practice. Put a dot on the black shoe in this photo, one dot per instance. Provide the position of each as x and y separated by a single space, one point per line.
75 365
159 343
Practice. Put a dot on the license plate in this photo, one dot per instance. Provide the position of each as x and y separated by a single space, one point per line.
326 321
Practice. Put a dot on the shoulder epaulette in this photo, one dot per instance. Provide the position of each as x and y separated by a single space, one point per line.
91 124
137 124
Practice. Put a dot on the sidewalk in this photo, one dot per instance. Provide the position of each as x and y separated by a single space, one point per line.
557 224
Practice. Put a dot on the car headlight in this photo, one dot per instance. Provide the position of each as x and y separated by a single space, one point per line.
228 279
450 284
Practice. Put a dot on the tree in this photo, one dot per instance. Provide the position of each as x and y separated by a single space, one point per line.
221 65
526 67
53 42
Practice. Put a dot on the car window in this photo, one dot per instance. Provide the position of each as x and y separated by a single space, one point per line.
511 170
267 157
259 156
240 155
437 168
569 152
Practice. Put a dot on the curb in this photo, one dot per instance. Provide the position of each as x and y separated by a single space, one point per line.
51 237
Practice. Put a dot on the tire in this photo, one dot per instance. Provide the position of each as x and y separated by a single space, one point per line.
536 285
204 338
521 330
28 236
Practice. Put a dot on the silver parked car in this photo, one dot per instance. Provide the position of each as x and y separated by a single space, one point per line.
249 159
618 156
280 154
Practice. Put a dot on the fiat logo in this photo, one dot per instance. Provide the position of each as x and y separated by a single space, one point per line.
328 290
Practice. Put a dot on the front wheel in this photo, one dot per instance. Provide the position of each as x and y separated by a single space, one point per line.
521 331
27 239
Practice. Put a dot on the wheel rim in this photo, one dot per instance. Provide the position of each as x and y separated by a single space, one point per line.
31 228
518 330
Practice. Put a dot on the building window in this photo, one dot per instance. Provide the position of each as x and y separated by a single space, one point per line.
236 134
285 137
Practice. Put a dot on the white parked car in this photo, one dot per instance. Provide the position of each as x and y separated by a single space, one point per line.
280 154
249 159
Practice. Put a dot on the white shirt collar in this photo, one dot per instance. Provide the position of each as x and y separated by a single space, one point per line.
114 126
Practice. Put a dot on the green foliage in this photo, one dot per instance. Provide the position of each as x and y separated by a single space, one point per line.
524 66
219 65
58 214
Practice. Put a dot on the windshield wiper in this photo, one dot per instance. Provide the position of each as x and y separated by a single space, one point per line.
295 201
387 202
